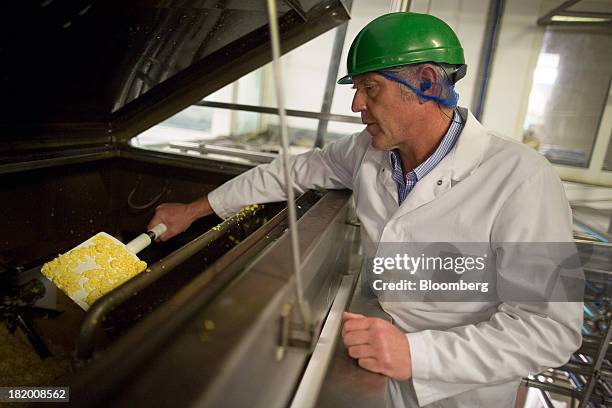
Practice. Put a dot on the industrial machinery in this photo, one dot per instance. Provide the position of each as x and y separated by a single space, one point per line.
213 320
587 378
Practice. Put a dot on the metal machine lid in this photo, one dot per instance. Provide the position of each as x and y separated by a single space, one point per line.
100 71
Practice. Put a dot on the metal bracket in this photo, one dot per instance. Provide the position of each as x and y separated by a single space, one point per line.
293 334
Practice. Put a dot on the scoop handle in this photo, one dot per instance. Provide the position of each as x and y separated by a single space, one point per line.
144 240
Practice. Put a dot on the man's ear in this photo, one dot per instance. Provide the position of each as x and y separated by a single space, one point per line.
428 81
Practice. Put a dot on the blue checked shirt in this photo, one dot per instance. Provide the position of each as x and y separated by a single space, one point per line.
405 185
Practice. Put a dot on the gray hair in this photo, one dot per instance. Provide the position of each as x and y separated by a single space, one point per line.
409 73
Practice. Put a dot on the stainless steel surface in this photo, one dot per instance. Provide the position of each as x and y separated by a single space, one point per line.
203 148
54 208
183 161
97 314
274 111
58 158
200 334
52 160
313 377
346 384
161 355
118 67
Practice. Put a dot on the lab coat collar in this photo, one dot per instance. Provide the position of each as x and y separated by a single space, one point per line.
469 150
459 163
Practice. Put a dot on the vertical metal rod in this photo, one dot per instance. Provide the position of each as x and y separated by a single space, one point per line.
233 113
280 98
496 10
332 75
405 5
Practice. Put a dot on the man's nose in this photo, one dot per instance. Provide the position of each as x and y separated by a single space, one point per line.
358 104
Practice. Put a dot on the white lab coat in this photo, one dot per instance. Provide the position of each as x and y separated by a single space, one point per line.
487 189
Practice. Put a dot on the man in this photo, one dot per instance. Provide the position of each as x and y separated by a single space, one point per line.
424 170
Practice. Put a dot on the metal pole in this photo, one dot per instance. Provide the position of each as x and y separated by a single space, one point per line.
405 5
280 98
332 74
288 112
496 10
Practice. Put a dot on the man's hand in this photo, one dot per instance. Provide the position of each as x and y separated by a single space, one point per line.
377 345
178 217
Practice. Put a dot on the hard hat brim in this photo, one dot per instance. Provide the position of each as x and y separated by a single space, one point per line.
345 80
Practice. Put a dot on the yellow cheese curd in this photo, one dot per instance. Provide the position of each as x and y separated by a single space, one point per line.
115 265
242 215
247 211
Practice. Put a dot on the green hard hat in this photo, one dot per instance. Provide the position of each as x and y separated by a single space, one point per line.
402 38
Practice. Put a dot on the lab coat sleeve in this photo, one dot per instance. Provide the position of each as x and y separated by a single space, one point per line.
520 338
332 167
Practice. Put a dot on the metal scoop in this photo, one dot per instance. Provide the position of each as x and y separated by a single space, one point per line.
98 265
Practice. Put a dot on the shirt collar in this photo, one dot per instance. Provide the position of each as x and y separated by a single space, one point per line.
446 144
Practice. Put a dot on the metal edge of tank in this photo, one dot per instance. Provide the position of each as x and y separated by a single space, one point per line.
246 316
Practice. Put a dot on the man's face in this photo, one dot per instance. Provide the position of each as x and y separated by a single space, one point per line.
383 110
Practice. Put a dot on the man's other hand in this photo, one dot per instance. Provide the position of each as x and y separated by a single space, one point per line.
178 217
377 345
